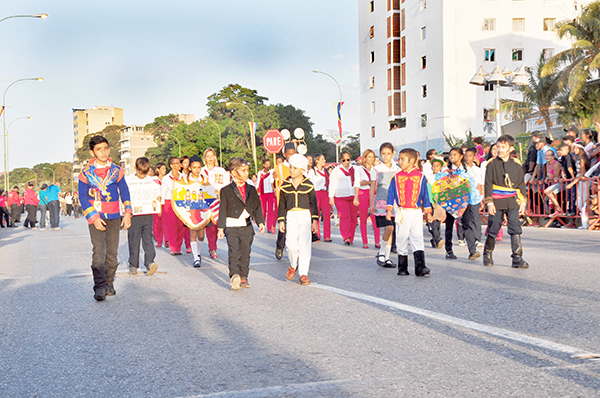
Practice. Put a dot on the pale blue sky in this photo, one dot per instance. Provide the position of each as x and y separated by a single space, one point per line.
152 58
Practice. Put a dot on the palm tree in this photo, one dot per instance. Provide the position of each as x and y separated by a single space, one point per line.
583 58
538 97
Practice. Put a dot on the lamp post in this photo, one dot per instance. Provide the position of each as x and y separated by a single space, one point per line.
500 78
220 151
178 143
338 141
7 175
4 122
252 135
53 173
42 16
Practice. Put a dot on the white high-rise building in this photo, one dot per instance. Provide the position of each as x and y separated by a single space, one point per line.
417 58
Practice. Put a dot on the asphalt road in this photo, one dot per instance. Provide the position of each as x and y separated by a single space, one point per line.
358 331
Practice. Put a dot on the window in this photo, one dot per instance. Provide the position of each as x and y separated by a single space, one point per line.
424 62
488 114
423 32
424 90
518 24
549 24
372 106
489 54
548 53
372 81
517 54
489 24
371 32
423 5
372 6
372 131
372 56
424 120
488 87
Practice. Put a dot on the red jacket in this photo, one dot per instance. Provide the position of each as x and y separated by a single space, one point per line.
30 197
13 198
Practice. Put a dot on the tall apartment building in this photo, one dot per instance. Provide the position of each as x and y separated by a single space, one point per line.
90 121
134 142
417 58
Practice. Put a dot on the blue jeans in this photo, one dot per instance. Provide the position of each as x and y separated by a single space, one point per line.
54 209
42 208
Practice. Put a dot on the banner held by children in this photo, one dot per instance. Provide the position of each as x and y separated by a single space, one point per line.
195 204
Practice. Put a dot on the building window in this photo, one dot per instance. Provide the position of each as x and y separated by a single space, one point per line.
372 106
549 24
489 24
517 54
423 32
518 24
424 120
423 5
372 56
424 90
372 32
372 81
489 54
488 87
372 131
424 62
548 53
372 6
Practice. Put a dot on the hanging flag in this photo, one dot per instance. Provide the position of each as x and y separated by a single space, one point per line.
339 115
253 128
1 110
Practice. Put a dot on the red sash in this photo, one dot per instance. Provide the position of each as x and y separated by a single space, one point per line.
324 174
349 173
368 174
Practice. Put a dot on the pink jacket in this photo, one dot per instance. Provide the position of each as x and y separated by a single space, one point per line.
31 197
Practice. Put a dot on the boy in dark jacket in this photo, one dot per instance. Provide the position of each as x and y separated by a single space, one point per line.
239 203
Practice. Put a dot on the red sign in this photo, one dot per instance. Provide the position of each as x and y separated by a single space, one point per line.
273 141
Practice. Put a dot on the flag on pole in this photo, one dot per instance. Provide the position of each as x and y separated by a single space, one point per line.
339 115
1 110
253 128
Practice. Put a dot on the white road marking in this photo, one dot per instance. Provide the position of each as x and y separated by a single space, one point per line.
492 330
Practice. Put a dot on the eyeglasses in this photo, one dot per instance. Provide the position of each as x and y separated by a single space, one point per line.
345 160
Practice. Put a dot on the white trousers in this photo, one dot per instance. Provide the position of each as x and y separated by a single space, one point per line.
298 239
409 226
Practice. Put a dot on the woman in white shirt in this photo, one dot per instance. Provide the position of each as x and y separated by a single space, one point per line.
319 176
341 194
267 195
365 178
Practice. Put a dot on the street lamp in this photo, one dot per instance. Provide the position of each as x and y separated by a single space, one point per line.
53 174
220 152
339 140
4 122
178 143
42 16
7 179
252 132
500 78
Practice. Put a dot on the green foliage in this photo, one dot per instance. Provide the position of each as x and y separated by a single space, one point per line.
21 176
112 134
352 145
456 142
584 109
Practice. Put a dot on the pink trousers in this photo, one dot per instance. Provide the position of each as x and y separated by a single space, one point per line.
363 212
210 231
157 228
348 214
173 228
325 212
269 207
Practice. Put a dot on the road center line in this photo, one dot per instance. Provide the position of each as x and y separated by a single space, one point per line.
492 330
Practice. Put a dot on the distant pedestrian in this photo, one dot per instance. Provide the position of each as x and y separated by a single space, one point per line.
4 214
239 205
101 186
14 202
43 205
31 206
52 193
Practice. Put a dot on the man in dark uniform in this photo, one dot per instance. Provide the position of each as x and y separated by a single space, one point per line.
505 195
281 174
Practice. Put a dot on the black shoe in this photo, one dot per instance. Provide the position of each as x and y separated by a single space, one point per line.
420 268
403 265
394 250
433 244
100 294
451 256
389 264
380 260
488 248
110 290
517 252
474 256
279 254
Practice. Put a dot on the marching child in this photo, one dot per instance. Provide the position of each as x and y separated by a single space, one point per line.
101 185
505 196
141 226
239 203
434 226
298 217
196 234
408 189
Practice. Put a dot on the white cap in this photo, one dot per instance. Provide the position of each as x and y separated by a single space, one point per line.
299 161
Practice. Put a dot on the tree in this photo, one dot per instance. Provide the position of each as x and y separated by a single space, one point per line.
579 62
538 97
169 133
112 134
21 176
584 109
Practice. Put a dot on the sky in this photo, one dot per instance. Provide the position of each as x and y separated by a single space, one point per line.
153 58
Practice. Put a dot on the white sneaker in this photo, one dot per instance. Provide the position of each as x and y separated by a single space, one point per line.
56 229
479 244
582 228
461 243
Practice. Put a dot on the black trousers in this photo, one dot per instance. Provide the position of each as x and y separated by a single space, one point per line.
280 238
4 215
239 240
141 230
434 228
513 226
31 216
104 253
467 227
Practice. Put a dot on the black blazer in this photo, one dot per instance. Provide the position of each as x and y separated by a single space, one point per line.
232 204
